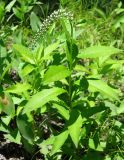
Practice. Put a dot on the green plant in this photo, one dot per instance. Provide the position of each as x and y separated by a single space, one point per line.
66 95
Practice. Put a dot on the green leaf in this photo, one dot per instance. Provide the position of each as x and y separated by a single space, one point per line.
25 54
81 68
28 145
64 112
120 109
41 98
4 123
98 51
3 51
18 13
48 141
102 87
6 119
107 157
69 52
2 10
25 127
4 128
39 53
10 5
59 141
14 136
5 71
55 73
67 29
98 147
18 88
46 144
75 124
34 22
100 13
27 69
74 51
112 107
118 21
50 49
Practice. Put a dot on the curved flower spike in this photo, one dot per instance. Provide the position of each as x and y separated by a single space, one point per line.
56 15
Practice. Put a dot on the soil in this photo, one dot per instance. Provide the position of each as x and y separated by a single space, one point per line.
12 151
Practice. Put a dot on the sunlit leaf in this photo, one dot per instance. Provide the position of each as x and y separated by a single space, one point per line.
118 21
55 73
46 144
64 112
59 141
18 13
18 88
48 50
10 5
14 136
41 98
98 147
24 53
27 69
75 126
81 68
2 11
102 87
98 51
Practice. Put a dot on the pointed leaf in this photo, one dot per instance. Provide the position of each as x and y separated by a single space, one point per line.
25 54
18 88
75 126
25 127
41 98
98 51
59 141
27 69
44 146
14 136
50 49
81 68
102 87
55 73
64 112
34 22
10 5
99 147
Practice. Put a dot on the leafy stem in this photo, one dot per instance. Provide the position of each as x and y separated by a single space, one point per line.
71 67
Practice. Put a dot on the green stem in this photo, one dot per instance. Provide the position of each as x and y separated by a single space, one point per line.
70 90
71 68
